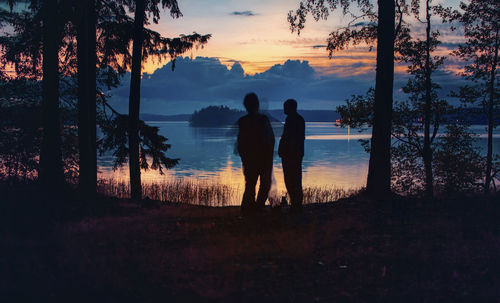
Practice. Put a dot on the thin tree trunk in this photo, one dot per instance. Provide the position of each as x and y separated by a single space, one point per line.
491 102
92 88
83 98
134 102
51 171
82 45
379 170
427 151
86 40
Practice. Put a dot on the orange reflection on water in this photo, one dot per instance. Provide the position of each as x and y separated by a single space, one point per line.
320 174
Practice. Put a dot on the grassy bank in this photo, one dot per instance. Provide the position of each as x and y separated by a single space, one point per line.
354 250
211 193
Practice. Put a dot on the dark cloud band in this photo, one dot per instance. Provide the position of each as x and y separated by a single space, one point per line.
203 81
244 13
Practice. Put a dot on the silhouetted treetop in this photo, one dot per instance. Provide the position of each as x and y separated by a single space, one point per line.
361 28
481 25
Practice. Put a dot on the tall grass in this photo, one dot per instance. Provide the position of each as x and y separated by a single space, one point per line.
181 191
323 194
210 194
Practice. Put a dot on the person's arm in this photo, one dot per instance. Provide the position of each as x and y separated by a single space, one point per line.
295 140
302 135
294 136
282 148
269 132
239 141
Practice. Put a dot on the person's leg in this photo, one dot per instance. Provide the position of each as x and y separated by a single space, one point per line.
265 185
297 175
292 170
287 177
250 173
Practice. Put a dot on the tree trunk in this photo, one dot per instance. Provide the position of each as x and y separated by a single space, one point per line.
427 151
92 88
86 49
51 169
379 170
491 121
134 102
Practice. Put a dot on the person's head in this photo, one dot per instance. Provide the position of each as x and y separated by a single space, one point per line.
290 106
251 103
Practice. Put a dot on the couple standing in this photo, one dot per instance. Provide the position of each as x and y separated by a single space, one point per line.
256 149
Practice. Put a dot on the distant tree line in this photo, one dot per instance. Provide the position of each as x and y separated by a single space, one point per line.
60 57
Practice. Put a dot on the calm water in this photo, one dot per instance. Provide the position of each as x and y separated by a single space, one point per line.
333 156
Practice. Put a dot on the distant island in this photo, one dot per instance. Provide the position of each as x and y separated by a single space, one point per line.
215 116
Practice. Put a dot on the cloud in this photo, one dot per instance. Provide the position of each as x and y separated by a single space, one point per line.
359 64
363 24
319 46
450 46
244 13
204 81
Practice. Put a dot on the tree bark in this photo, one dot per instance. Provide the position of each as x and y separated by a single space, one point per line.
379 169
86 52
92 88
51 169
491 120
427 151
134 102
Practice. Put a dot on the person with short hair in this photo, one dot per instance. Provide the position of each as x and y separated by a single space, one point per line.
256 148
291 151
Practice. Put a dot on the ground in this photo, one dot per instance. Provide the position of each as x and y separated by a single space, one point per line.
353 250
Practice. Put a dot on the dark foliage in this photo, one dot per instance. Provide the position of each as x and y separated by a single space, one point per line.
152 145
20 135
21 63
481 25
458 165
407 165
21 131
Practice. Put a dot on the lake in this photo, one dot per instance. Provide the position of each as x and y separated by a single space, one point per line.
333 157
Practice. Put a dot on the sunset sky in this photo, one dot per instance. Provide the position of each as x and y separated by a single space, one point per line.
257 35
253 49
254 33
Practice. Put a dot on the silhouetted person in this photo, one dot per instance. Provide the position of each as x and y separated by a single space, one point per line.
256 147
291 151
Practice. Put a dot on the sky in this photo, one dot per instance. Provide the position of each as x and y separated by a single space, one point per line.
253 49
255 33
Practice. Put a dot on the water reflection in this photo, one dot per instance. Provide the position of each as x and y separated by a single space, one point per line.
333 157
207 155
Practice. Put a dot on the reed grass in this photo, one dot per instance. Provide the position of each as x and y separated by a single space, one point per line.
211 193
323 194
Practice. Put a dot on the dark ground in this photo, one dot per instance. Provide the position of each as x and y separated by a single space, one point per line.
348 251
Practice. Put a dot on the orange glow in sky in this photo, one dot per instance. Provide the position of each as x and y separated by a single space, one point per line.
254 33
257 34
